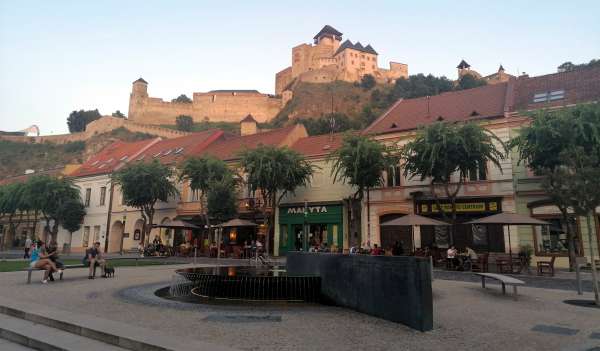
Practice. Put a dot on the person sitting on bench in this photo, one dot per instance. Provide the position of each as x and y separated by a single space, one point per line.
40 260
93 258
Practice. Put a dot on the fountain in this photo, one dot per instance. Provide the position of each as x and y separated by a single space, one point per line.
232 283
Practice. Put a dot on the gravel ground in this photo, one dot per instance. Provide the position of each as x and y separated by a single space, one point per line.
465 316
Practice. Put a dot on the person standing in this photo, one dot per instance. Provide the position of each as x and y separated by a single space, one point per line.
28 244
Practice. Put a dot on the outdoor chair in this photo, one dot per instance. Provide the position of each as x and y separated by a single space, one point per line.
481 265
546 267
503 264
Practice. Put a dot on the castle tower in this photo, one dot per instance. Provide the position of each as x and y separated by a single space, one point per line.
248 126
463 68
137 99
328 36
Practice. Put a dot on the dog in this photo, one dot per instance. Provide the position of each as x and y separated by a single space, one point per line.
110 272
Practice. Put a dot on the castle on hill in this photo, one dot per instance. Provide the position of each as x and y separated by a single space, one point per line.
330 59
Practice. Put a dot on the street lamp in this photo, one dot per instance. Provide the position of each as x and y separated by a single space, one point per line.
123 231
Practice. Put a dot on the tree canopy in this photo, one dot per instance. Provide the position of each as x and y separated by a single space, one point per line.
367 82
443 150
118 114
184 123
222 200
182 99
78 120
143 184
274 172
570 66
469 81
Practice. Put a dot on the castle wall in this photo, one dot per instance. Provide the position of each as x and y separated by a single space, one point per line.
216 106
282 79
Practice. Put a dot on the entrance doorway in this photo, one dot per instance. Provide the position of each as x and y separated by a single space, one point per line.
115 237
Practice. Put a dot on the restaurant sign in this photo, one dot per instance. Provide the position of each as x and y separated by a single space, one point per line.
461 207
309 209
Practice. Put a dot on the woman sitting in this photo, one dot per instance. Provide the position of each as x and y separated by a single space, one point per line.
41 260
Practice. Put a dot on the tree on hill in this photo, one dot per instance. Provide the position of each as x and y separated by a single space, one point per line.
78 120
184 123
570 66
334 122
274 172
143 184
469 81
360 162
367 82
118 114
443 152
182 99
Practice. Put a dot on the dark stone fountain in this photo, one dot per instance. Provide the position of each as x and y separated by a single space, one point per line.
222 284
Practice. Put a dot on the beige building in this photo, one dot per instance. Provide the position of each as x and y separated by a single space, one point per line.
330 59
215 105
499 77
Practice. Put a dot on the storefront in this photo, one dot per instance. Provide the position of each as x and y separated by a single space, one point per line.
322 221
479 237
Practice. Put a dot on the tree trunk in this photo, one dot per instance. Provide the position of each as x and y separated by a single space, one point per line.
571 238
368 217
592 259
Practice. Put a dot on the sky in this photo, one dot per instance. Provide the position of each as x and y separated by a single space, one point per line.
59 56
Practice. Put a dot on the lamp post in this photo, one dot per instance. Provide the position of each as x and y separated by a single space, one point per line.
123 231
304 228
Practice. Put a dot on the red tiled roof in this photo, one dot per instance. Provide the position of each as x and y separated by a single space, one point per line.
319 145
229 148
111 157
477 103
170 151
581 85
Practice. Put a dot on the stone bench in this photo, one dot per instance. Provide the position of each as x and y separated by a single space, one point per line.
504 280
30 270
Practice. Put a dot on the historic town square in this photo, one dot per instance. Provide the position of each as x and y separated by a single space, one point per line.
280 175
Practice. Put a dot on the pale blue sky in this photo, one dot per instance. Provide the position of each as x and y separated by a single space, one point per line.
57 56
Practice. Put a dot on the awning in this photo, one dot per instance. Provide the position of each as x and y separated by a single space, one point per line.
236 222
176 224
413 219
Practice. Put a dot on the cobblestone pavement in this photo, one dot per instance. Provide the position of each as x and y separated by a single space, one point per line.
465 316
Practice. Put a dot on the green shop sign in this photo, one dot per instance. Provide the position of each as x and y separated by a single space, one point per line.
315 213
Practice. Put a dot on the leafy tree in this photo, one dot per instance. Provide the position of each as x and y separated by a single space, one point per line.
360 162
202 174
469 81
72 213
50 196
182 99
446 153
78 120
118 114
184 123
143 184
274 172
14 205
419 85
334 122
542 146
222 200
367 82
570 66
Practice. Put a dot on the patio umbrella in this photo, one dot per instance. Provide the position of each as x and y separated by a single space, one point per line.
177 224
411 220
236 222
509 219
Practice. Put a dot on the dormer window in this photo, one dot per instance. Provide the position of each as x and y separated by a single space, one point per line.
474 113
394 125
178 150
156 154
141 157
124 158
95 163
167 152
549 96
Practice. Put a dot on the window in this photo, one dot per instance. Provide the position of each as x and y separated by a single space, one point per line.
352 62
88 195
552 239
86 237
102 195
96 233
393 176
549 96
124 158
480 235
195 195
480 173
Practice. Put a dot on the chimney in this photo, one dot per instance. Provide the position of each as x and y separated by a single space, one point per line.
248 126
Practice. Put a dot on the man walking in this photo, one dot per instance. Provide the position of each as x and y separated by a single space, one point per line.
28 244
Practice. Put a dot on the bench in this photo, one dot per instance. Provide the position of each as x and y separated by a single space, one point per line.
30 270
504 280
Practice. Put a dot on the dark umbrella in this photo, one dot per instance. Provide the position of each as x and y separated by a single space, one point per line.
236 222
509 219
177 224
411 220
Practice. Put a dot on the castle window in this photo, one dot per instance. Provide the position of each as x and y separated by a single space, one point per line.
549 96
214 97
178 150
352 62
373 66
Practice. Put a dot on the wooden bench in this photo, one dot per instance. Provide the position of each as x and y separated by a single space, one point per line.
504 280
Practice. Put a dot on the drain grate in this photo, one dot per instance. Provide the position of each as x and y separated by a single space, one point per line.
552 329
242 318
